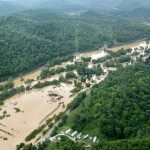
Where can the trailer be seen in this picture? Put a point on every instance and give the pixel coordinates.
(85, 137)
(79, 136)
(68, 131)
(74, 133)
(94, 139)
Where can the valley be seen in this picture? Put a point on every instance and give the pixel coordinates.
(74, 75)
(36, 73)
(27, 111)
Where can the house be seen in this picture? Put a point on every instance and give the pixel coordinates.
(79, 136)
(85, 137)
(74, 133)
(68, 131)
(94, 139)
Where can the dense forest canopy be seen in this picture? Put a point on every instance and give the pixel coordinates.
(32, 38)
(117, 108)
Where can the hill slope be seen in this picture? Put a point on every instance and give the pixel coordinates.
(135, 8)
(10, 7)
(116, 111)
(118, 107)
(41, 35)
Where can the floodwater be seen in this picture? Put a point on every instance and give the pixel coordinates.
(36, 73)
(34, 106)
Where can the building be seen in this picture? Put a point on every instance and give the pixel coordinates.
(85, 137)
(94, 139)
(74, 133)
(68, 131)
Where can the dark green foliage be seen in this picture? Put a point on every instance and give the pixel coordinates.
(83, 70)
(28, 88)
(57, 117)
(70, 67)
(98, 70)
(47, 73)
(86, 59)
(26, 147)
(135, 53)
(57, 71)
(70, 75)
(64, 144)
(134, 144)
(109, 64)
(78, 87)
(116, 110)
(38, 39)
(76, 102)
(129, 50)
(147, 51)
(118, 107)
(7, 86)
(33, 134)
(11, 92)
(46, 83)
(117, 53)
(88, 85)
(123, 59)
(20, 146)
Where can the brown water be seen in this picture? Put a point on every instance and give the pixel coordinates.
(35, 106)
(36, 73)
(126, 46)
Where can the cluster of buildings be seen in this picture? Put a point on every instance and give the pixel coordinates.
(79, 136)
(141, 50)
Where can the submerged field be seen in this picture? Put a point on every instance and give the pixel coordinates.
(32, 107)
(24, 112)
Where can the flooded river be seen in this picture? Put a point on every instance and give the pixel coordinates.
(34, 106)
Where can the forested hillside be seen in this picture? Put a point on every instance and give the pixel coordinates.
(132, 8)
(10, 7)
(117, 108)
(33, 38)
(116, 111)
(128, 8)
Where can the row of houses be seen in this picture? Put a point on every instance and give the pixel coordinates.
(79, 136)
